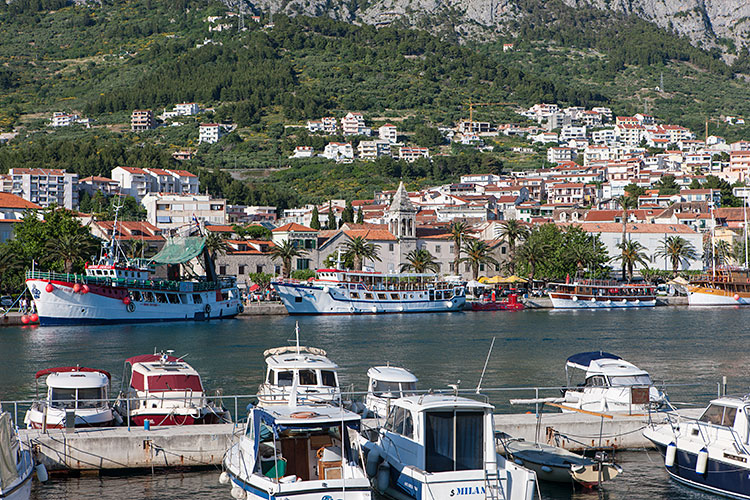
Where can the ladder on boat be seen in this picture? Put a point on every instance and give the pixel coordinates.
(493, 486)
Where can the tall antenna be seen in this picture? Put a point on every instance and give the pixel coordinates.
(296, 333)
(479, 385)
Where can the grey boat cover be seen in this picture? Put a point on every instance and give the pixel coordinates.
(8, 468)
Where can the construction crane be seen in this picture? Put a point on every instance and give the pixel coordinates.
(472, 104)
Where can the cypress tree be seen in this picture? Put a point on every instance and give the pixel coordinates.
(315, 221)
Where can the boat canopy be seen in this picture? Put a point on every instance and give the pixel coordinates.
(66, 369)
(582, 360)
(283, 417)
(391, 374)
(179, 250)
(293, 349)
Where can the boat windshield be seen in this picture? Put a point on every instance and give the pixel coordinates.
(383, 388)
(408, 389)
(91, 397)
(454, 441)
(63, 398)
(327, 378)
(630, 380)
(719, 415)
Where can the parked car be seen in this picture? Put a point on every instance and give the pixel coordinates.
(6, 301)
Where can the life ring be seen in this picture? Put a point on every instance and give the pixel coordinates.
(130, 307)
(303, 414)
(207, 309)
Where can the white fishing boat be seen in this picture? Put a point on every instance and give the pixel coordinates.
(165, 390)
(595, 294)
(334, 291)
(72, 390)
(709, 453)
(16, 463)
(117, 289)
(434, 447)
(385, 384)
(610, 384)
(297, 452)
(315, 376)
(558, 465)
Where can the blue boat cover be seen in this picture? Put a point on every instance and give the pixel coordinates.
(584, 359)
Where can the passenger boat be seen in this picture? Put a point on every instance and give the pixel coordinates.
(727, 286)
(712, 452)
(558, 465)
(512, 304)
(83, 391)
(121, 290)
(385, 384)
(165, 390)
(334, 291)
(595, 294)
(307, 370)
(16, 463)
(297, 452)
(435, 446)
(611, 384)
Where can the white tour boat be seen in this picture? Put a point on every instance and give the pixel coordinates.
(386, 383)
(165, 390)
(334, 291)
(725, 286)
(16, 463)
(121, 290)
(595, 294)
(75, 390)
(710, 453)
(296, 452)
(611, 384)
(434, 447)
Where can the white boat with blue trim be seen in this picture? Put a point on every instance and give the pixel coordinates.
(334, 291)
(16, 463)
(435, 446)
(710, 453)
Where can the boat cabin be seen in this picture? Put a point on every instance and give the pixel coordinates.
(729, 412)
(386, 383)
(307, 370)
(117, 272)
(363, 280)
(162, 381)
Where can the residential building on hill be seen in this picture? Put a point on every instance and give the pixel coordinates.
(177, 211)
(46, 186)
(209, 133)
(142, 120)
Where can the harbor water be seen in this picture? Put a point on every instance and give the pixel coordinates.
(688, 349)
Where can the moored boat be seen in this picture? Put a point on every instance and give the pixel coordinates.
(76, 390)
(595, 294)
(16, 463)
(334, 291)
(165, 390)
(385, 384)
(726, 286)
(709, 453)
(512, 304)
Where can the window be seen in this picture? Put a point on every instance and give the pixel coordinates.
(453, 441)
(135, 295)
(259, 268)
(328, 378)
(382, 296)
(503, 250)
(307, 377)
(91, 397)
(368, 296)
(197, 299)
(63, 398)
(596, 381)
(284, 379)
(222, 269)
(719, 415)
(303, 264)
(437, 248)
(390, 247)
(388, 389)
(241, 269)
(161, 298)
(172, 297)
(630, 380)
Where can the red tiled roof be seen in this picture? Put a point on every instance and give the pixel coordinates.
(371, 234)
(616, 227)
(97, 178)
(293, 226)
(8, 200)
(134, 170)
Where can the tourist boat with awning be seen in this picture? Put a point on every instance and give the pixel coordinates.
(596, 294)
(438, 446)
(725, 286)
(72, 390)
(610, 384)
(297, 452)
(335, 291)
(710, 453)
(16, 463)
(385, 384)
(165, 390)
(117, 289)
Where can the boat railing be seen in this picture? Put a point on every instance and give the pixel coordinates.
(156, 284)
(704, 427)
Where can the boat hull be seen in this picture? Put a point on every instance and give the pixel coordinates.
(105, 305)
(496, 306)
(175, 419)
(309, 299)
(20, 489)
(705, 296)
(56, 418)
(567, 301)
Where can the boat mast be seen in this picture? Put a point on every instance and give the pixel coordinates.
(713, 239)
(296, 333)
(744, 210)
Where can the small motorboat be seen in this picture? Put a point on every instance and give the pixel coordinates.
(512, 304)
(709, 453)
(438, 446)
(386, 383)
(305, 452)
(165, 390)
(558, 465)
(611, 384)
(72, 390)
(16, 463)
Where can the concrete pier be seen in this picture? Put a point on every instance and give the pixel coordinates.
(98, 449)
(264, 309)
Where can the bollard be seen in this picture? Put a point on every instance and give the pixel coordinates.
(147, 425)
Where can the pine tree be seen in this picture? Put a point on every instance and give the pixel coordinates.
(331, 223)
(360, 217)
(315, 221)
(348, 214)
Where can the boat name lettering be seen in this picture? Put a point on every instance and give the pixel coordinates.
(735, 457)
(35, 292)
(468, 490)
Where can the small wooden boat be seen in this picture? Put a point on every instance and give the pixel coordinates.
(557, 464)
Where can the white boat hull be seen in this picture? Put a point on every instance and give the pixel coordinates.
(570, 303)
(63, 306)
(101, 417)
(312, 299)
(20, 489)
(699, 296)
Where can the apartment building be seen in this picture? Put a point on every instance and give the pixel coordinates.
(371, 150)
(46, 187)
(209, 133)
(388, 132)
(354, 124)
(138, 182)
(141, 120)
(176, 211)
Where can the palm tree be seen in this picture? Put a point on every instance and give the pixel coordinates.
(69, 248)
(625, 203)
(477, 252)
(135, 249)
(459, 231)
(677, 249)
(723, 252)
(632, 253)
(420, 261)
(216, 244)
(511, 231)
(360, 249)
(285, 252)
(533, 252)
(582, 253)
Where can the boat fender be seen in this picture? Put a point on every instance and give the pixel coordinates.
(592, 299)
(448, 303)
(241, 308)
(518, 461)
(737, 296)
(130, 307)
(77, 288)
(49, 288)
(670, 455)
(237, 492)
(374, 309)
(383, 478)
(701, 462)
(373, 461)
(327, 289)
(546, 468)
(85, 289)
(575, 299)
(207, 309)
(224, 478)
(609, 302)
(637, 301)
(41, 473)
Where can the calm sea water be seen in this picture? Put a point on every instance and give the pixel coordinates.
(691, 349)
